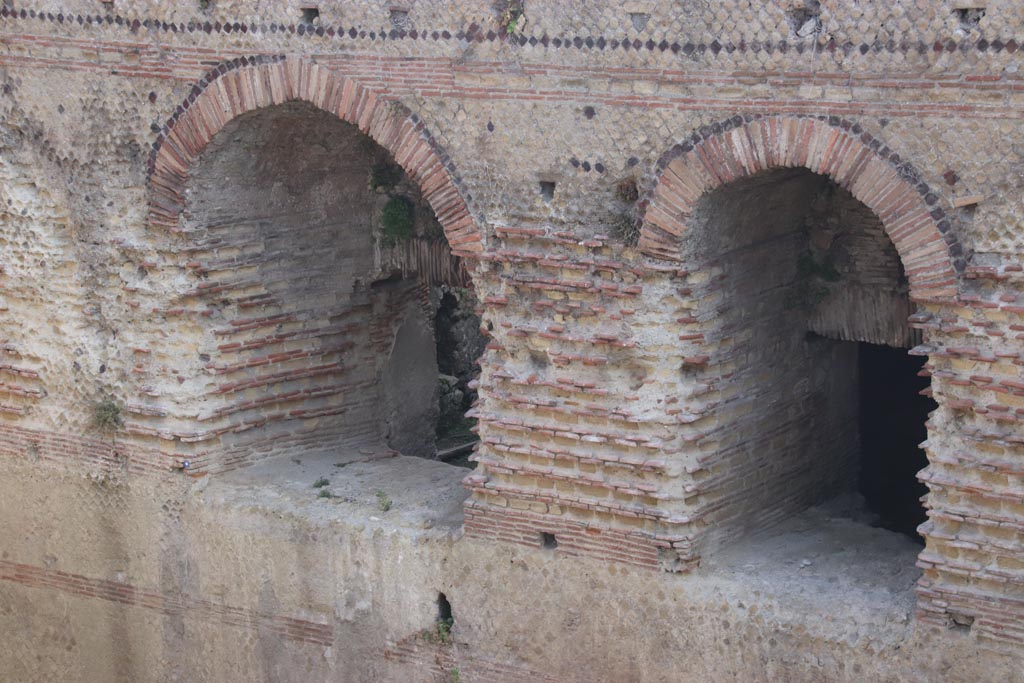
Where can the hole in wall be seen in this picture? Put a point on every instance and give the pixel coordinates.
(444, 610)
(805, 21)
(460, 342)
(969, 17)
(624, 222)
(892, 421)
(511, 16)
(626, 191)
(399, 17)
(310, 15)
(547, 190)
(959, 622)
(548, 541)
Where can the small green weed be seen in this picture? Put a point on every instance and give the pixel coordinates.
(444, 630)
(383, 501)
(107, 415)
(324, 493)
(440, 634)
(456, 675)
(513, 17)
(397, 220)
(321, 482)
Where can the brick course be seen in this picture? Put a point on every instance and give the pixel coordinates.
(602, 402)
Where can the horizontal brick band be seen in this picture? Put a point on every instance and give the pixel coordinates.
(522, 527)
(291, 628)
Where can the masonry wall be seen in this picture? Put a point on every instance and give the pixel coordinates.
(597, 410)
(866, 298)
(785, 406)
(292, 297)
(130, 581)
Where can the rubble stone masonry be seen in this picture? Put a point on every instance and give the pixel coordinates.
(679, 217)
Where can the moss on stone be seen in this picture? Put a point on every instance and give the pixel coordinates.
(396, 220)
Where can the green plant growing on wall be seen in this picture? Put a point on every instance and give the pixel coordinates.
(456, 675)
(107, 415)
(385, 175)
(321, 482)
(324, 493)
(513, 17)
(383, 501)
(396, 220)
(444, 630)
(810, 288)
(440, 634)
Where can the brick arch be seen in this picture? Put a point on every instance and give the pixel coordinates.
(249, 83)
(863, 165)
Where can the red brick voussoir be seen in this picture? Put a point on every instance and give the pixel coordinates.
(860, 163)
(248, 83)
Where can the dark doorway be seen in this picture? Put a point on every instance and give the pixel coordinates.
(460, 343)
(893, 413)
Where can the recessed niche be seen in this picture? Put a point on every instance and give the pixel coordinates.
(399, 17)
(961, 623)
(444, 609)
(805, 21)
(547, 190)
(969, 17)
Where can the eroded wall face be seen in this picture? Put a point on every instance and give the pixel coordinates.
(134, 580)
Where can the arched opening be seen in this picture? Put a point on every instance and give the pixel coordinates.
(804, 303)
(322, 269)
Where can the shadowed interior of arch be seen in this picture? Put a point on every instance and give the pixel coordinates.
(819, 402)
(325, 276)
